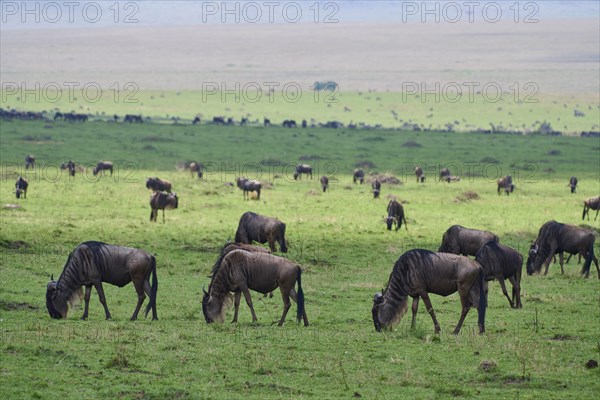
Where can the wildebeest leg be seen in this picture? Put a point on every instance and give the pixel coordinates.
(236, 303)
(560, 260)
(100, 291)
(285, 295)
(258, 194)
(466, 306)
(415, 308)
(516, 292)
(249, 302)
(503, 286)
(427, 302)
(148, 291)
(271, 241)
(86, 297)
(139, 289)
(547, 265)
(163, 215)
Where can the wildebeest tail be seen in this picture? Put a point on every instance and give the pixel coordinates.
(300, 297)
(584, 211)
(153, 288)
(283, 244)
(585, 271)
(482, 301)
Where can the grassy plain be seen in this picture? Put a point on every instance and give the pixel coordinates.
(539, 351)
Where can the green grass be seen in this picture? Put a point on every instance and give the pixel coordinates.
(539, 351)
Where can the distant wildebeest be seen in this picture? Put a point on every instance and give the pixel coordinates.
(289, 123)
(103, 166)
(266, 122)
(593, 203)
(29, 162)
(502, 262)
(243, 121)
(465, 241)
(249, 185)
(196, 121)
(506, 184)
(444, 174)
(58, 115)
(395, 215)
(304, 123)
(21, 187)
(303, 169)
(241, 271)
(70, 166)
(420, 272)
(196, 167)
(358, 175)
(573, 184)
(376, 185)
(554, 237)
(324, 183)
(133, 118)
(420, 174)
(158, 185)
(261, 229)
(219, 120)
(92, 263)
(162, 201)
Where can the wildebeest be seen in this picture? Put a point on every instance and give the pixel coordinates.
(506, 183)
(289, 123)
(261, 229)
(573, 184)
(303, 169)
(92, 263)
(249, 185)
(196, 120)
(358, 175)
(241, 271)
(158, 185)
(324, 183)
(231, 246)
(21, 187)
(554, 237)
(103, 166)
(162, 201)
(420, 174)
(444, 174)
(29, 161)
(70, 166)
(196, 167)
(376, 185)
(395, 215)
(266, 122)
(502, 262)
(593, 203)
(465, 241)
(133, 118)
(420, 272)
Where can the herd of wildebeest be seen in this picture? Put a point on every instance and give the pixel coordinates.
(241, 266)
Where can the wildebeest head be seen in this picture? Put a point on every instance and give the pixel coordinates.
(533, 264)
(378, 300)
(296, 175)
(214, 308)
(56, 308)
(95, 170)
(174, 203)
(205, 302)
(389, 221)
(19, 192)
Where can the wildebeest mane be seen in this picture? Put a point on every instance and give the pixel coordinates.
(548, 232)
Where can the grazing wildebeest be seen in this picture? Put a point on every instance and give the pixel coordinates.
(303, 169)
(573, 184)
(69, 165)
(158, 185)
(376, 185)
(162, 201)
(420, 174)
(219, 120)
(289, 123)
(358, 175)
(420, 272)
(196, 121)
(444, 174)
(58, 115)
(502, 262)
(266, 122)
(304, 123)
(506, 183)
(593, 203)
(29, 162)
(465, 241)
(103, 166)
(92, 263)
(241, 271)
(261, 229)
(21, 187)
(249, 185)
(231, 246)
(197, 168)
(133, 118)
(395, 215)
(324, 183)
(554, 237)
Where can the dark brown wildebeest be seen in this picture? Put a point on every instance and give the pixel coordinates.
(241, 271)
(444, 174)
(506, 183)
(554, 238)
(502, 262)
(358, 175)
(573, 184)
(395, 215)
(420, 174)
(376, 185)
(21, 187)
(103, 166)
(158, 185)
(420, 272)
(261, 229)
(303, 169)
(324, 183)
(133, 118)
(29, 162)
(162, 201)
(249, 185)
(70, 166)
(92, 263)
(593, 203)
(197, 168)
(465, 241)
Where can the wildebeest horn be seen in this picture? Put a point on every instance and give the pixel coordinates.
(52, 277)
(378, 299)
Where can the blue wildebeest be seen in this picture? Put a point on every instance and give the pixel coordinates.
(573, 184)
(70, 166)
(358, 175)
(502, 262)
(196, 167)
(133, 118)
(21, 187)
(324, 183)
(261, 229)
(162, 201)
(29, 161)
(554, 237)
(506, 184)
(593, 203)
(303, 169)
(158, 185)
(376, 185)
(445, 174)
(241, 271)
(103, 166)
(395, 215)
(420, 272)
(467, 242)
(420, 174)
(92, 263)
(249, 185)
